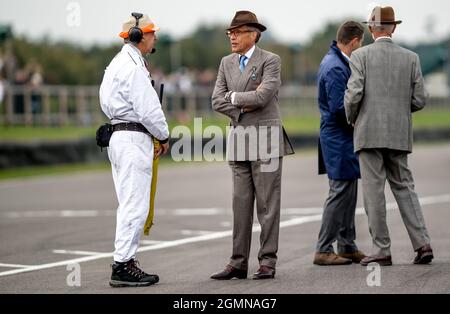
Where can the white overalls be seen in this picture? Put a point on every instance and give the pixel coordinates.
(127, 95)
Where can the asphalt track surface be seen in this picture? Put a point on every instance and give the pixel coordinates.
(48, 224)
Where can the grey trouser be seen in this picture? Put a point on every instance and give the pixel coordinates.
(249, 182)
(338, 219)
(377, 165)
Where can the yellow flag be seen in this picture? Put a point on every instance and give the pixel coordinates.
(151, 212)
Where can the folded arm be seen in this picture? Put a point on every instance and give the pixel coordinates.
(220, 103)
(270, 84)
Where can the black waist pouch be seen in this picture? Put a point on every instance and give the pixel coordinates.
(103, 135)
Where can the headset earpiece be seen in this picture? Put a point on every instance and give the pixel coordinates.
(135, 33)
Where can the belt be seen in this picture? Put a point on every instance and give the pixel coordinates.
(130, 126)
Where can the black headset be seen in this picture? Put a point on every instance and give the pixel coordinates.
(135, 33)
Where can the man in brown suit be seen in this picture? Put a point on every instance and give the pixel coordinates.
(385, 87)
(247, 92)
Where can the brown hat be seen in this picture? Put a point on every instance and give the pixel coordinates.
(246, 18)
(382, 16)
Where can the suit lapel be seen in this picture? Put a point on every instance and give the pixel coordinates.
(250, 68)
(233, 70)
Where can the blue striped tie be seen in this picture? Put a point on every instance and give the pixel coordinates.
(242, 62)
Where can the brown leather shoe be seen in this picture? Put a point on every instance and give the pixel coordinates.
(424, 255)
(330, 259)
(356, 257)
(229, 273)
(264, 272)
(380, 260)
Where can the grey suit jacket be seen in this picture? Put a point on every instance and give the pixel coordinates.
(263, 126)
(385, 87)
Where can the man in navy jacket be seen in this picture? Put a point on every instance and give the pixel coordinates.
(336, 156)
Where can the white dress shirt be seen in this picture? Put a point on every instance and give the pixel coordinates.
(127, 95)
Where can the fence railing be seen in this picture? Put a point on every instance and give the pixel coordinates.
(51, 105)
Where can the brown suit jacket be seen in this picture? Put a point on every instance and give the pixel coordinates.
(258, 134)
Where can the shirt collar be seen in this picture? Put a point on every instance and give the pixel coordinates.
(249, 53)
(345, 56)
(383, 37)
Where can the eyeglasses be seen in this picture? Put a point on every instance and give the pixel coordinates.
(237, 33)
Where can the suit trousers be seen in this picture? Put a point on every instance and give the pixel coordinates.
(377, 165)
(338, 219)
(251, 182)
(131, 156)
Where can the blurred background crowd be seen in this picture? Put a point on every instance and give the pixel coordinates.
(49, 81)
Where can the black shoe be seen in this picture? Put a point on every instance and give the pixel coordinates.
(424, 255)
(264, 272)
(229, 273)
(128, 274)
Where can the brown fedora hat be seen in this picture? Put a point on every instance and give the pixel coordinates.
(382, 15)
(246, 18)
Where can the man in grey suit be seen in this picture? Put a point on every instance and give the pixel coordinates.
(247, 92)
(385, 87)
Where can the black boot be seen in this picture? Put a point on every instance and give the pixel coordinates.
(128, 274)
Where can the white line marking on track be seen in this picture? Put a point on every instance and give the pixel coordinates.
(14, 265)
(302, 211)
(195, 232)
(207, 237)
(198, 211)
(67, 213)
(225, 224)
(80, 213)
(151, 242)
(70, 252)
